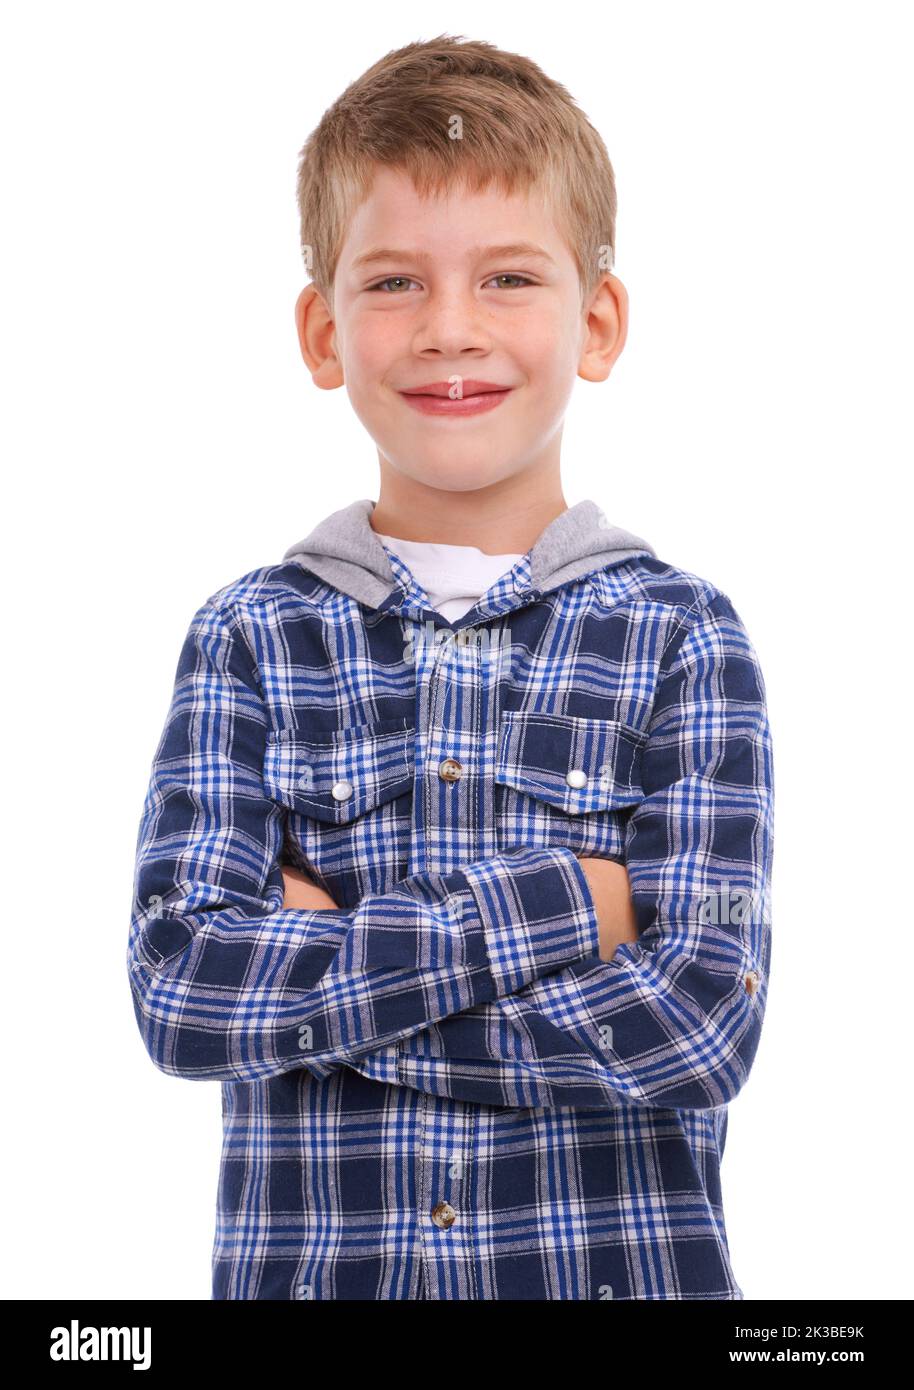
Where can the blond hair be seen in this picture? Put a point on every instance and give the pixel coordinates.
(517, 127)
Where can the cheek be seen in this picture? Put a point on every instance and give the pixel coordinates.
(371, 344)
(551, 381)
(548, 350)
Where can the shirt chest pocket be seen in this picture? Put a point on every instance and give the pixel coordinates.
(566, 780)
(349, 796)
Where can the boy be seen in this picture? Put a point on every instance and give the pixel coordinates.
(455, 861)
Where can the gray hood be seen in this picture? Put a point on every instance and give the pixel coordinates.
(345, 552)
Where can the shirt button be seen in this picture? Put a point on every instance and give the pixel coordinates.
(444, 1215)
(340, 791)
(752, 981)
(449, 770)
(576, 778)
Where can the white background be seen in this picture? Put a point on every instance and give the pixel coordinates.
(163, 437)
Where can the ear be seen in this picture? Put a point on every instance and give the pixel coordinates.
(606, 319)
(317, 339)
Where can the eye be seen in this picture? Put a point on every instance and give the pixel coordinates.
(510, 275)
(522, 280)
(402, 278)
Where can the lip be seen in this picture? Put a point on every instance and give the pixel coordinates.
(434, 398)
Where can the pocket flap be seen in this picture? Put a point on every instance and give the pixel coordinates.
(335, 777)
(579, 765)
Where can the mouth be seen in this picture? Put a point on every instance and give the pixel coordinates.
(435, 399)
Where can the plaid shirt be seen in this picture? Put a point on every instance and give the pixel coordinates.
(439, 1090)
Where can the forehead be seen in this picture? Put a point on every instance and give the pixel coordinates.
(395, 215)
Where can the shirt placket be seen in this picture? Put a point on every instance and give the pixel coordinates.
(459, 670)
(449, 726)
(453, 824)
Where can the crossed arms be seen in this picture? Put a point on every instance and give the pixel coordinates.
(521, 979)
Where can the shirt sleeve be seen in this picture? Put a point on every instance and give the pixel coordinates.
(229, 986)
(673, 1020)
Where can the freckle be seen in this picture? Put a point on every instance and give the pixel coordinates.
(751, 981)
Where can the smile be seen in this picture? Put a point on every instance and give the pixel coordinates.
(476, 404)
(477, 398)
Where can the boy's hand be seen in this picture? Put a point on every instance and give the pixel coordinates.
(616, 922)
(300, 892)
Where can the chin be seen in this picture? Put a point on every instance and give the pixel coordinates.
(454, 475)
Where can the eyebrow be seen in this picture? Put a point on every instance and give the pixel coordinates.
(514, 248)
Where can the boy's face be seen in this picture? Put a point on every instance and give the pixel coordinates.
(437, 305)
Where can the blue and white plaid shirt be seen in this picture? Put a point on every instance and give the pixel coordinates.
(439, 1090)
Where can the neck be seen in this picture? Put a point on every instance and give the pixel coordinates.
(505, 517)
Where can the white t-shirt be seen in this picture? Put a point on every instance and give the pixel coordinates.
(453, 576)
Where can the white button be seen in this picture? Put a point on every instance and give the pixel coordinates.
(341, 790)
(576, 778)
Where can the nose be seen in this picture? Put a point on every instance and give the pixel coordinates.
(451, 323)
